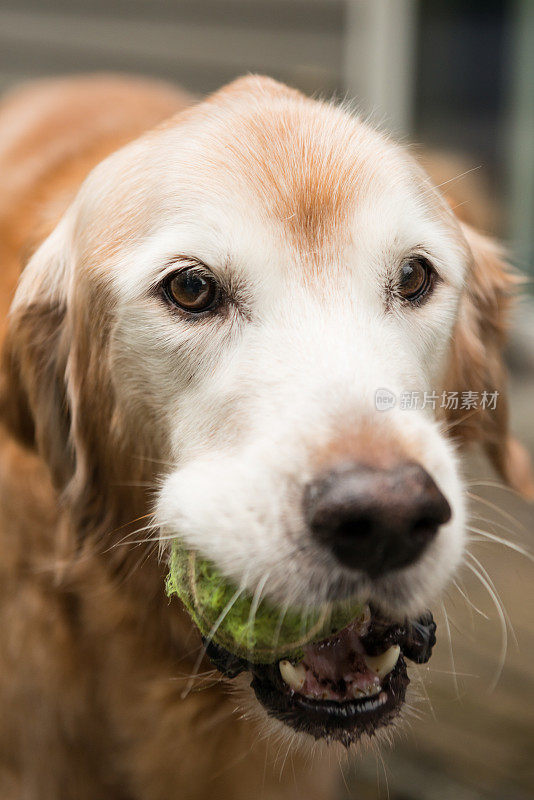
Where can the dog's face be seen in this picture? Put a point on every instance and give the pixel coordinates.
(239, 284)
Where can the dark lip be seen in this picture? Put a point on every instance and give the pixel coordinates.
(346, 721)
(331, 721)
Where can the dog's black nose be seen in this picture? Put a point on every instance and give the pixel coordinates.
(375, 520)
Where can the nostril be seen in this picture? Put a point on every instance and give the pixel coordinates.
(349, 530)
(418, 537)
(430, 508)
(424, 526)
(363, 527)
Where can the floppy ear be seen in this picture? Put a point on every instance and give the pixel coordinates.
(33, 397)
(56, 392)
(476, 361)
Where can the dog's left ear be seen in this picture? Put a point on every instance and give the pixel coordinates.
(476, 362)
(33, 396)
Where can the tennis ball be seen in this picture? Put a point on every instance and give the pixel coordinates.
(228, 618)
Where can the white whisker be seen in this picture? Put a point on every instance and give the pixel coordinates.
(469, 601)
(494, 485)
(478, 518)
(502, 617)
(210, 636)
(451, 651)
(500, 540)
(491, 583)
(496, 508)
(256, 600)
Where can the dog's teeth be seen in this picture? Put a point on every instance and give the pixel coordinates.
(293, 675)
(368, 691)
(383, 663)
(365, 617)
(373, 690)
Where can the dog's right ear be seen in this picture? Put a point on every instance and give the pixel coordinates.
(477, 363)
(33, 396)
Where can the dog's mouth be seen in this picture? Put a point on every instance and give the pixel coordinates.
(349, 684)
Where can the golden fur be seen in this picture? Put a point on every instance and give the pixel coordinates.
(93, 657)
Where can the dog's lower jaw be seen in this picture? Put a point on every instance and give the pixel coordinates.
(328, 752)
(332, 721)
(347, 686)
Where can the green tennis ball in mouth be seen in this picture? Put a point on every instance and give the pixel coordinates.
(262, 634)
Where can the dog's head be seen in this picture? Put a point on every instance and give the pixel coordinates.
(267, 305)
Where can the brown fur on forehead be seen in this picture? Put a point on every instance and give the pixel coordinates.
(302, 164)
(309, 162)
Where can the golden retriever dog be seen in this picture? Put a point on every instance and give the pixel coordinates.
(218, 320)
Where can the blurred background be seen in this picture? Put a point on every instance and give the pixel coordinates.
(456, 80)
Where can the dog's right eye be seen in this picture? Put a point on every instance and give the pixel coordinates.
(416, 280)
(192, 289)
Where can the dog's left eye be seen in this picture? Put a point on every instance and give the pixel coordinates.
(192, 289)
(416, 279)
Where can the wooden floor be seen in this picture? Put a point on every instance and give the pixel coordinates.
(473, 740)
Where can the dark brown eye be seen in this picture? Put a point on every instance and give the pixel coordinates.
(193, 289)
(416, 279)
